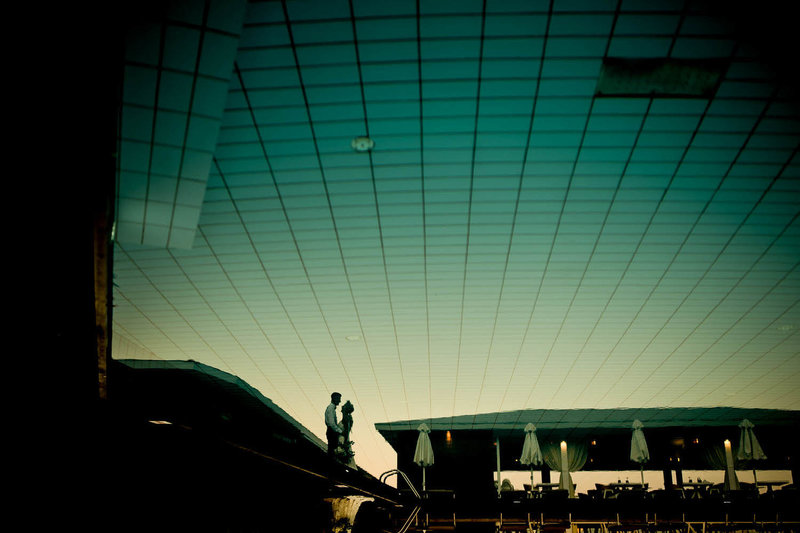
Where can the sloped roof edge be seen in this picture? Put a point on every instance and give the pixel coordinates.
(234, 381)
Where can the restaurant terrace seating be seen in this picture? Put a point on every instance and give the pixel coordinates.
(656, 511)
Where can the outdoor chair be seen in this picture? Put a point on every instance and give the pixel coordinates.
(668, 505)
(554, 524)
(590, 505)
(699, 509)
(787, 505)
(767, 507)
(740, 505)
(514, 505)
(514, 511)
(553, 509)
(634, 506)
(438, 509)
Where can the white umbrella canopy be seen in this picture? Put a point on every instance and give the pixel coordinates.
(531, 451)
(639, 452)
(749, 448)
(423, 455)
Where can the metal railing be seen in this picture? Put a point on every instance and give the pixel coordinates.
(415, 511)
(386, 475)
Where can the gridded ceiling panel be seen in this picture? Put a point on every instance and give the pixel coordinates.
(513, 241)
(177, 66)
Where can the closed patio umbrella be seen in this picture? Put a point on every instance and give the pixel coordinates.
(497, 450)
(531, 452)
(731, 481)
(423, 455)
(749, 448)
(639, 452)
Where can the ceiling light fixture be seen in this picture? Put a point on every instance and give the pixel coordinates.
(362, 144)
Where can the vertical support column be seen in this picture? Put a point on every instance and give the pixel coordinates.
(75, 174)
(103, 216)
(77, 224)
(667, 478)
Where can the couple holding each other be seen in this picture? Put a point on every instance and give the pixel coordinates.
(338, 434)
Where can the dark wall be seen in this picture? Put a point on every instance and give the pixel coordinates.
(168, 478)
(465, 463)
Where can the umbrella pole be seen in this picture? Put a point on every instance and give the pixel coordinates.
(755, 479)
(641, 469)
(498, 467)
(423, 479)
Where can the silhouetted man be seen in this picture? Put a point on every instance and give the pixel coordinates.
(333, 429)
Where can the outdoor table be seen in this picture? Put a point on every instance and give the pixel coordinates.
(698, 488)
(626, 485)
(698, 484)
(770, 484)
(536, 490)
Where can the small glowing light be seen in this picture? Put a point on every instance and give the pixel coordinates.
(160, 422)
(563, 445)
(696, 440)
(447, 436)
(362, 144)
(594, 443)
